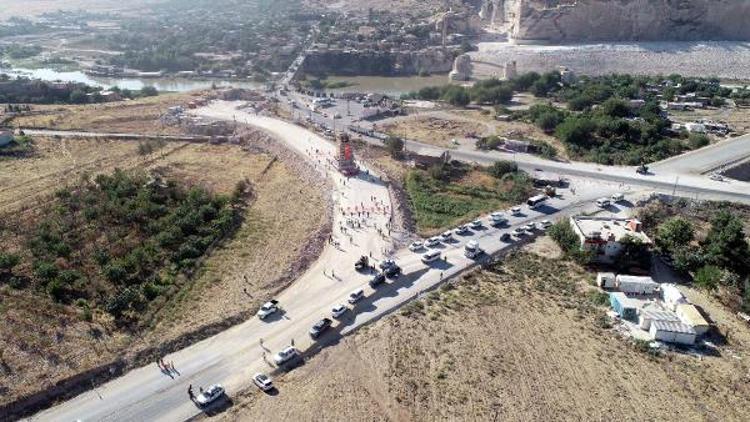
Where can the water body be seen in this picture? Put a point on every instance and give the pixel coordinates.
(388, 85)
(162, 84)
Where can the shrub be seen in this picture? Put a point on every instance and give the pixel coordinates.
(8, 261)
(698, 140)
(502, 167)
(708, 277)
(548, 121)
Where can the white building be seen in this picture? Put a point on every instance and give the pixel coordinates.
(672, 332)
(648, 316)
(636, 284)
(605, 280)
(671, 296)
(690, 316)
(603, 234)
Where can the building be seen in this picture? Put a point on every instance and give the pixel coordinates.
(602, 235)
(690, 315)
(647, 316)
(605, 280)
(6, 136)
(672, 296)
(625, 307)
(636, 284)
(672, 332)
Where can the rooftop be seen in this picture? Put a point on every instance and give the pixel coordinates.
(608, 228)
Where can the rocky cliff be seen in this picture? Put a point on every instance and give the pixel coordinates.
(561, 21)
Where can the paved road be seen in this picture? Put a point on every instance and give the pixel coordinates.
(708, 159)
(232, 356)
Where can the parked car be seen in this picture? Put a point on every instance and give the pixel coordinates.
(463, 229)
(529, 228)
(339, 310)
(430, 256)
(209, 395)
(386, 263)
(544, 224)
(717, 177)
(472, 249)
(498, 218)
(432, 242)
(618, 197)
(447, 236)
(267, 309)
(393, 271)
(603, 202)
(476, 224)
(377, 280)
(285, 355)
(505, 237)
(363, 263)
(518, 232)
(355, 296)
(515, 211)
(320, 327)
(263, 381)
(416, 246)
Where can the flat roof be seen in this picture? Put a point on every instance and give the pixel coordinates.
(673, 327)
(691, 315)
(608, 226)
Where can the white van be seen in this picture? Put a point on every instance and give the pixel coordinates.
(355, 296)
(603, 202)
(618, 197)
(472, 249)
(430, 256)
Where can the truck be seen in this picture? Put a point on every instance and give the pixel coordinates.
(472, 249)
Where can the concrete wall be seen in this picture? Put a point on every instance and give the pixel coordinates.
(561, 21)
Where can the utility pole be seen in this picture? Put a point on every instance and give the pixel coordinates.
(676, 180)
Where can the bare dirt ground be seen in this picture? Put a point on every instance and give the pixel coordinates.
(137, 116)
(44, 342)
(737, 118)
(521, 342)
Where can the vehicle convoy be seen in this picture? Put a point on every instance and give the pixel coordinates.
(356, 296)
(362, 264)
(463, 229)
(339, 310)
(263, 381)
(476, 224)
(285, 355)
(209, 395)
(498, 219)
(472, 249)
(515, 211)
(392, 271)
(432, 242)
(431, 256)
(320, 327)
(416, 246)
(268, 308)
(447, 236)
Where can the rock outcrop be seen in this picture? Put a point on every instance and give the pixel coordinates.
(567, 21)
(461, 68)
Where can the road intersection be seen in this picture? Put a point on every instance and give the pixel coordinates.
(232, 356)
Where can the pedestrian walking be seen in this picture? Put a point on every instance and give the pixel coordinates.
(441, 275)
(292, 342)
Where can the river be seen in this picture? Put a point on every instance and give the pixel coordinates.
(164, 84)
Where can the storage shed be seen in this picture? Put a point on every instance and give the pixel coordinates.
(672, 296)
(624, 306)
(636, 284)
(648, 316)
(672, 332)
(690, 315)
(605, 280)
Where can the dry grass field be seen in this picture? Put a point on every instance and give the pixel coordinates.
(30, 8)
(43, 342)
(523, 341)
(136, 116)
(737, 118)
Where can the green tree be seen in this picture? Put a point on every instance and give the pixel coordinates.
(708, 277)
(149, 91)
(634, 252)
(674, 233)
(8, 261)
(457, 96)
(698, 140)
(576, 131)
(503, 167)
(548, 121)
(78, 97)
(726, 245)
(395, 146)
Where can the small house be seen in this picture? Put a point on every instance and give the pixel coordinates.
(648, 316)
(672, 296)
(690, 315)
(672, 332)
(623, 306)
(641, 285)
(605, 280)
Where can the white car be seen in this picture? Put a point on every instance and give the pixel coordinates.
(717, 177)
(498, 218)
(268, 308)
(355, 296)
(430, 256)
(447, 236)
(339, 310)
(209, 395)
(285, 355)
(516, 211)
(432, 242)
(476, 224)
(544, 224)
(530, 228)
(462, 229)
(518, 232)
(603, 202)
(416, 246)
(263, 381)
